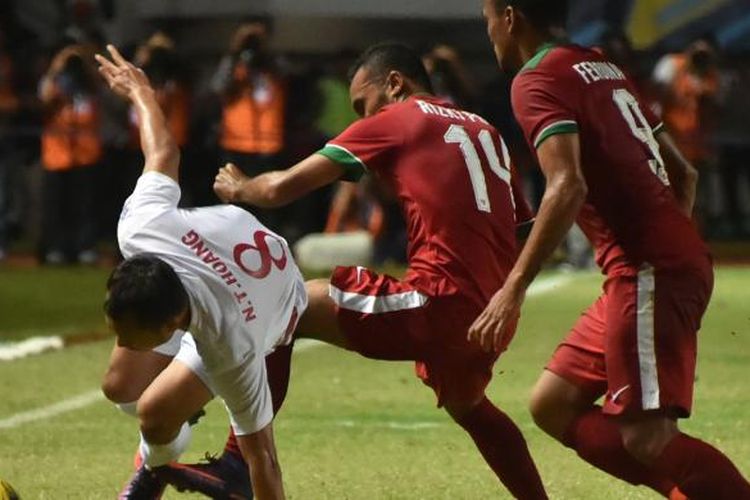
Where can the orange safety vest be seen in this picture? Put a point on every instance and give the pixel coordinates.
(254, 121)
(682, 113)
(71, 136)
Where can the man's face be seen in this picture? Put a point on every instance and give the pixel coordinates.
(497, 15)
(368, 95)
(138, 338)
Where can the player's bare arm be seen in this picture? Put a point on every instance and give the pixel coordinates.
(159, 147)
(265, 472)
(560, 160)
(277, 188)
(683, 177)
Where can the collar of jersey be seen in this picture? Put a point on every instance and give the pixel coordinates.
(541, 52)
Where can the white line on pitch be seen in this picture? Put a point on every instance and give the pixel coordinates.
(28, 347)
(548, 284)
(538, 288)
(89, 398)
(64, 406)
(406, 426)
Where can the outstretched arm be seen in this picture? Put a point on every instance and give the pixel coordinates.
(560, 160)
(278, 188)
(159, 147)
(259, 452)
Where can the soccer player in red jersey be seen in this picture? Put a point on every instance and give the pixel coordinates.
(451, 172)
(610, 165)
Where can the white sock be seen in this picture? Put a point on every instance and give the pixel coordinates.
(155, 455)
(128, 408)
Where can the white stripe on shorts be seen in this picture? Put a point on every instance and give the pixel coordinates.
(645, 332)
(376, 304)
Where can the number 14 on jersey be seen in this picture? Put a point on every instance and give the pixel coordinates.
(457, 134)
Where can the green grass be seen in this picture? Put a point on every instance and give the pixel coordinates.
(344, 431)
(50, 301)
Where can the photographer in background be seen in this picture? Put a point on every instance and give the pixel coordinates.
(253, 104)
(688, 86)
(71, 149)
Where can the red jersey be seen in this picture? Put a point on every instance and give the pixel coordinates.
(451, 172)
(630, 215)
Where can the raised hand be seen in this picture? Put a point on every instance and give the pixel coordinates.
(123, 77)
(228, 183)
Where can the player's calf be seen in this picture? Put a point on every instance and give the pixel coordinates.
(646, 436)
(502, 445)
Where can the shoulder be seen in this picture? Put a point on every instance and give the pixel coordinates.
(153, 201)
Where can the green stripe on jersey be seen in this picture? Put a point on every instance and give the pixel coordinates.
(540, 54)
(659, 128)
(354, 168)
(562, 127)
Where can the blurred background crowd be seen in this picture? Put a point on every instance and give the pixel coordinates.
(265, 90)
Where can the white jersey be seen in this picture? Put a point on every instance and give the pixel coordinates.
(245, 289)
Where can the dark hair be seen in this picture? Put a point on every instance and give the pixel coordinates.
(390, 56)
(146, 291)
(542, 14)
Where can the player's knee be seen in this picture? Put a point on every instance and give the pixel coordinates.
(545, 410)
(155, 427)
(646, 443)
(116, 388)
(460, 409)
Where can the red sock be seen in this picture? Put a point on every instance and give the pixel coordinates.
(597, 439)
(503, 447)
(701, 471)
(232, 446)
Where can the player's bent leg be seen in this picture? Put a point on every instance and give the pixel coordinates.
(319, 320)
(556, 403)
(501, 444)
(173, 397)
(566, 411)
(163, 410)
(697, 468)
(130, 372)
(646, 436)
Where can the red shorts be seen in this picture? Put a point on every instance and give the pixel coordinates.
(385, 318)
(637, 342)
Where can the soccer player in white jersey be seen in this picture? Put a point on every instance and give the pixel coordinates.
(214, 271)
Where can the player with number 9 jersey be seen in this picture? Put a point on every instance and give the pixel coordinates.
(645, 243)
(631, 215)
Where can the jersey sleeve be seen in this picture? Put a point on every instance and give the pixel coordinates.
(246, 394)
(365, 145)
(541, 107)
(154, 191)
(155, 195)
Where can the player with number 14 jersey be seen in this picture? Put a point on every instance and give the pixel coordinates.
(460, 214)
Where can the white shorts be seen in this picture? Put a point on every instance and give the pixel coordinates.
(181, 347)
